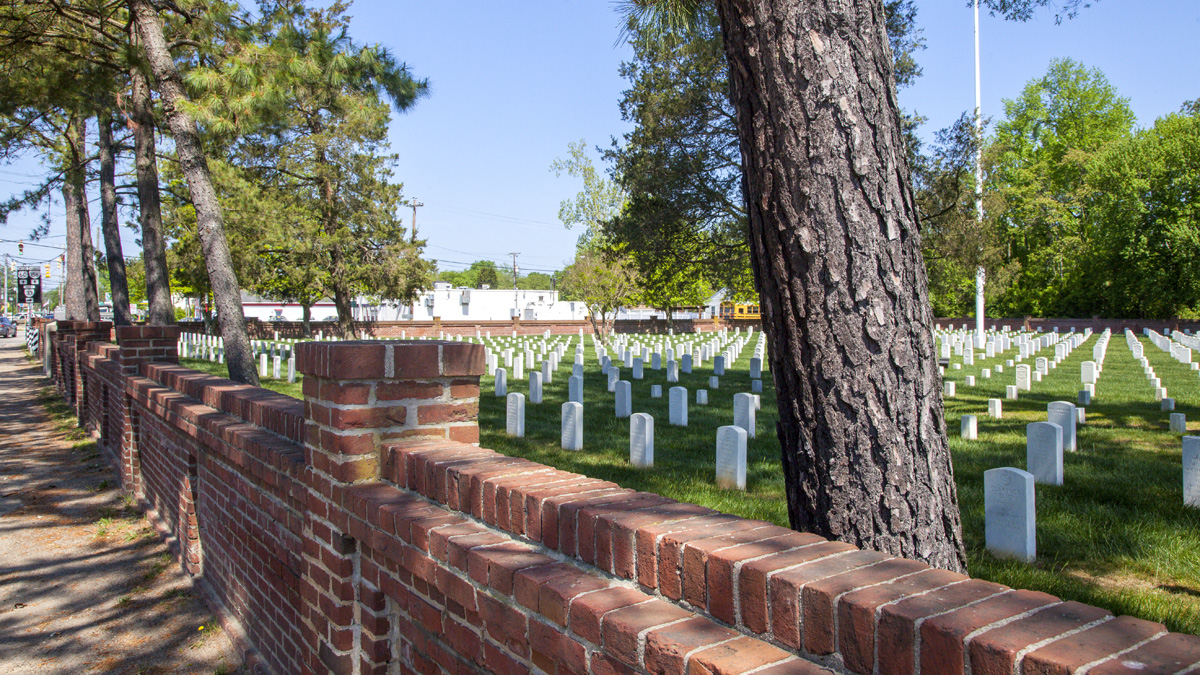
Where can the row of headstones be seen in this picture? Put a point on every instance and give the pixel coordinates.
(731, 448)
(1010, 514)
(677, 404)
(1160, 392)
(1179, 346)
(1026, 375)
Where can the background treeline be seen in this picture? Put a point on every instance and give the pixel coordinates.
(1084, 213)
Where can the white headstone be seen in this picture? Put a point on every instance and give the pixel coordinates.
(714, 382)
(575, 389)
(515, 415)
(1044, 452)
(755, 368)
(970, 381)
(701, 397)
(577, 370)
(756, 386)
(572, 426)
(719, 365)
(641, 439)
(1010, 392)
(1179, 423)
(501, 382)
(535, 386)
(672, 371)
(1009, 513)
(948, 389)
(1087, 373)
(262, 364)
(731, 457)
(638, 368)
(623, 402)
(1024, 378)
(614, 374)
(1063, 414)
(656, 391)
(969, 427)
(686, 364)
(743, 413)
(1167, 404)
(678, 405)
(291, 373)
(1085, 398)
(995, 408)
(1191, 471)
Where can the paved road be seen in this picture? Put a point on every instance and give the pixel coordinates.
(85, 585)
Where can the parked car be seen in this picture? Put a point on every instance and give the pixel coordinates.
(7, 327)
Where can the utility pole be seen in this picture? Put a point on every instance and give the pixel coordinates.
(5, 312)
(516, 300)
(979, 272)
(414, 204)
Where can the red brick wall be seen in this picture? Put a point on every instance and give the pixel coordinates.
(362, 532)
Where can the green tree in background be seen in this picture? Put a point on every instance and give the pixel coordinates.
(1041, 154)
(306, 109)
(1143, 205)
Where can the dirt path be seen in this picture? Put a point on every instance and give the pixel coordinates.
(85, 584)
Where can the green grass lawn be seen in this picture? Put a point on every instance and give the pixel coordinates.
(1116, 534)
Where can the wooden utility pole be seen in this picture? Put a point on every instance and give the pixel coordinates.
(414, 204)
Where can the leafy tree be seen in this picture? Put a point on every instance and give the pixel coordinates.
(1144, 204)
(1042, 150)
(953, 243)
(319, 143)
(602, 283)
(210, 222)
(598, 201)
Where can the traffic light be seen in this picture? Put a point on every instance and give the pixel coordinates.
(21, 248)
(47, 266)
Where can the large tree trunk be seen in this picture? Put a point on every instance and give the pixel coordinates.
(836, 255)
(154, 250)
(210, 225)
(110, 222)
(82, 302)
(344, 301)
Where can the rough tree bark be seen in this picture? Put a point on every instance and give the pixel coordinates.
(836, 256)
(209, 221)
(110, 223)
(82, 303)
(140, 120)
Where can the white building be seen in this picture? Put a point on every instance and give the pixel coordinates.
(486, 304)
(444, 301)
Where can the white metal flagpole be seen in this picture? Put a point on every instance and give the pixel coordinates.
(979, 273)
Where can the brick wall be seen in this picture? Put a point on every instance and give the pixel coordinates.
(363, 531)
(1063, 325)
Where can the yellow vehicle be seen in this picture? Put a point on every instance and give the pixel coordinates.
(731, 310)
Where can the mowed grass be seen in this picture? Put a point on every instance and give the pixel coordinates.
(1116, 534)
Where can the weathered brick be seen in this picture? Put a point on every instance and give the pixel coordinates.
(1173, 653)
(788, 585)
(1066, 656)
(667, 647)
(942, 636)
(754, 575)
(994, 652)
(588, 611)
(621, 627)
(738, 656)
(820, 598)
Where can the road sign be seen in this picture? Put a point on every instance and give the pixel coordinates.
(29, 285)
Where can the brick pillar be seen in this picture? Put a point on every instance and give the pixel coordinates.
(145, 344)
(357, 396)
(74, 337)
(138, 345)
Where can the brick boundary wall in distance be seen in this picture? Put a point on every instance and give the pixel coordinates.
(362, 531)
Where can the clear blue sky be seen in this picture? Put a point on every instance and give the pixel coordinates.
(514, 83)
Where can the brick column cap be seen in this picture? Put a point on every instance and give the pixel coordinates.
(148, 332)
(389, 359)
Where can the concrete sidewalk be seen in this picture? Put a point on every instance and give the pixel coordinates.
(86, 586)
